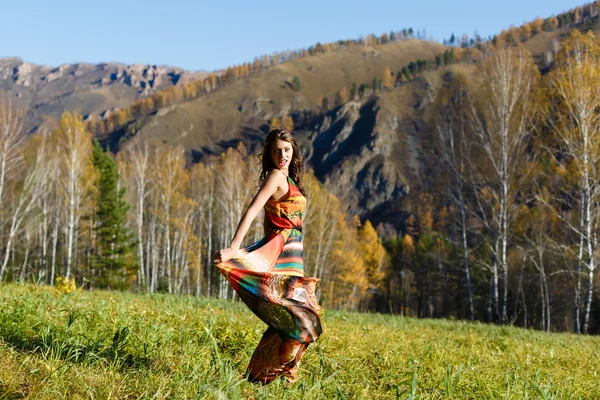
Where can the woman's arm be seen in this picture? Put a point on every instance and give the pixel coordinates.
(271, 185)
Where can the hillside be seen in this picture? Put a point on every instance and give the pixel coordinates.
(90, 89)
(356, 139)
(368, 151)
(544, 44)
(114, 345)
(242, 107)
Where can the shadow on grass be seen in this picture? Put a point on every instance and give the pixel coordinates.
(53, 343)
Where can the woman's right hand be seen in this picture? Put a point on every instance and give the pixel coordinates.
(224, 255)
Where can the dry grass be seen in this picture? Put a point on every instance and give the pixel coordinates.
(212, 121)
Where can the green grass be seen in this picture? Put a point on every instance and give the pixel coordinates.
(110, 345)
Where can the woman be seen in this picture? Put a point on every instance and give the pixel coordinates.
(269, 275)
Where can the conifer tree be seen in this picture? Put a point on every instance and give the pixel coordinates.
(353, 91)
(376, 84)
(296, 83)
(114, 240)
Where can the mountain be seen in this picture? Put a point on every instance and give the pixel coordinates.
(367, 150)
(208, 123)
(91, 89)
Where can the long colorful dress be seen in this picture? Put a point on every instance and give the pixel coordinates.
(269, 277)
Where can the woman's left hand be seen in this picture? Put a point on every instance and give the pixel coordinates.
(224, 255)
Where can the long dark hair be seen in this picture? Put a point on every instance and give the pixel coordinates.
(267, 164)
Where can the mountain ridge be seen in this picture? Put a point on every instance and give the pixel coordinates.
(365, 148)
(90, 89)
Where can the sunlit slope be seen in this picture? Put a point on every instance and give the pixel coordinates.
(210, 122)
(89, 89)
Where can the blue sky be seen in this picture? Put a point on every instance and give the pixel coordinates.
(200, 35)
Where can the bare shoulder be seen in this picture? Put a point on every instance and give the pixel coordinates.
(276, 175)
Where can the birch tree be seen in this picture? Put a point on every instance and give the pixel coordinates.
(77, 177)
(24, 199)
(453, 149)
(170, 180)
(319, 227)
(575, 100)
(500, 123)
(47, 204)
(539, 243)
(136, 173)
(234, 190)
(12, 137)
(201, 187)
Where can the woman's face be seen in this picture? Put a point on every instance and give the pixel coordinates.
(281, 154)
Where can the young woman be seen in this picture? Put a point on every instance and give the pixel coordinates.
(269, 274)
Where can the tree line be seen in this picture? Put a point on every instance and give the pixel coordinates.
(147, 220)
(508, 232)
(120, 118)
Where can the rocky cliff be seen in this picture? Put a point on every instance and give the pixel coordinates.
(87, 88)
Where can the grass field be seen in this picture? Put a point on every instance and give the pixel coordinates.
(110, 345)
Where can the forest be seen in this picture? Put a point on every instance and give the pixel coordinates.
(506, 232)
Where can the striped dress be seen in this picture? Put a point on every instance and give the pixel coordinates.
(269, 277)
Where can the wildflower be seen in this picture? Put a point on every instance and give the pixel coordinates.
(64, 285)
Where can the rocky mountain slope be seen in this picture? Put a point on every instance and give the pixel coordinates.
(91, 89)
(367, 150)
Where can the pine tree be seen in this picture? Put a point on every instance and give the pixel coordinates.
(449, 57)
(114, 240)
(296, 83)
(353, 91)
(406, 72)
(376, 84)
(361, 90)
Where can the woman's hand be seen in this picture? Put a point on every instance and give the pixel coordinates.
(224, 255)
